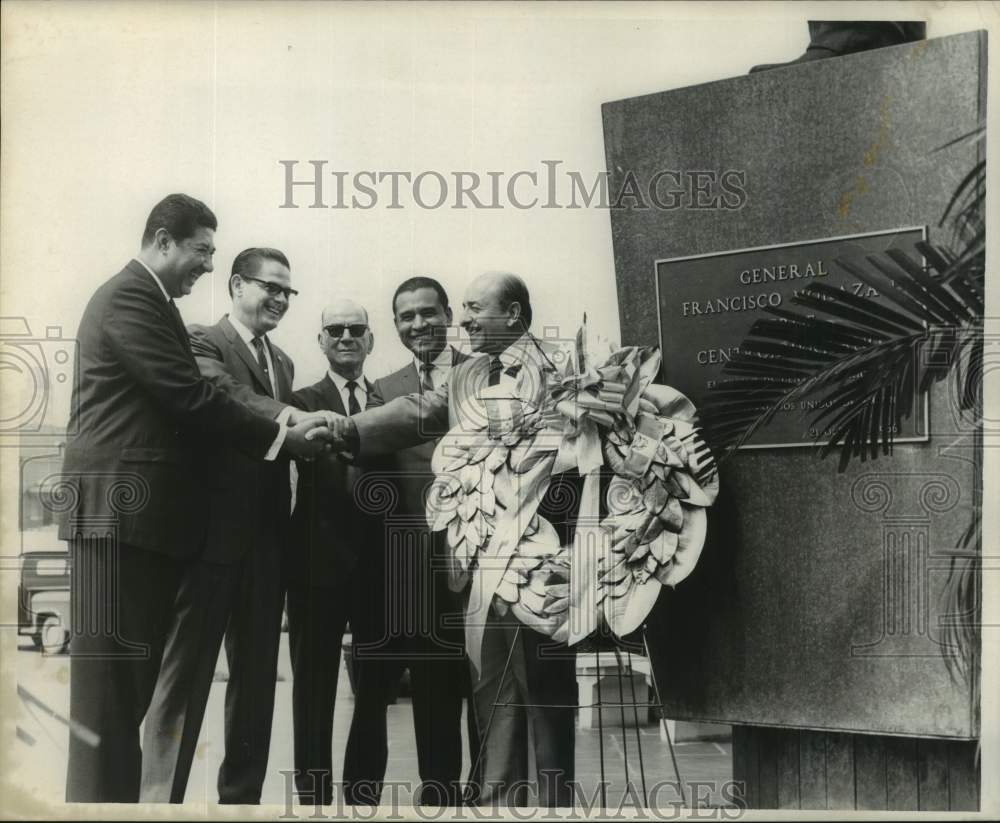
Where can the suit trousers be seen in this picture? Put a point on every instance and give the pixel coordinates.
(522, 671)
(317, 618)
(122, 598)
(439, 682)
(242, 601)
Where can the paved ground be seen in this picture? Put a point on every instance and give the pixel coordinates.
(42, 743)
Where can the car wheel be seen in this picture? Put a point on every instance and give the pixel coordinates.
(53, 635)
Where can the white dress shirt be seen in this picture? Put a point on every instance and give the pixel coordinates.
(360, 393)
(440, 367)
(282, 418)
(156, 279)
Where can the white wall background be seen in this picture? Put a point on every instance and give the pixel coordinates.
(106, 107)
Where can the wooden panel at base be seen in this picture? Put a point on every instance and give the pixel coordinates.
(788, 770)
(840, 771)
(963, 778)
(901, 773)
(812, 766)
(870, 772)
(932, 775)
(803, 769)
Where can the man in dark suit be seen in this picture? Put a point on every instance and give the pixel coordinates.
(424, 632)
(135, 506)
(236, 588)
(529, 678)
(334, 577)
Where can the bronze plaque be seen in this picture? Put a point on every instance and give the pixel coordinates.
(707, 304)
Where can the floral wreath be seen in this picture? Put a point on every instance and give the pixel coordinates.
(490, 481)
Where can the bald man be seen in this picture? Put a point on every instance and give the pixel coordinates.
(334, 576)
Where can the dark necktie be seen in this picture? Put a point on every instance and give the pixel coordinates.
(496, 369)
(426, 384)
(353, 406)
(258, 344)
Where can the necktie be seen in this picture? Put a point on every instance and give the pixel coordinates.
(258, 344)
(426, 384)
(353, 406)
(496, 369)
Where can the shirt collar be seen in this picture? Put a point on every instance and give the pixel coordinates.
(522, 351)
(341, 382)
(245, 334)
(155, 277)
(444, 360)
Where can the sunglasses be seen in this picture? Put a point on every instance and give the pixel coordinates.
(273, 289)
(336, 330)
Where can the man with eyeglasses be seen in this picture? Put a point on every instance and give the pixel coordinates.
(135, 468)
(334, 576)
(236, 588)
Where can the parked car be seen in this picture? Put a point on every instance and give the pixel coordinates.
(43, 610)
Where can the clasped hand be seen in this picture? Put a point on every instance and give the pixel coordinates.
(312, 433)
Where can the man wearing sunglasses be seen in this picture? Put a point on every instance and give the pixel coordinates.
(334, 576)
(236, 588)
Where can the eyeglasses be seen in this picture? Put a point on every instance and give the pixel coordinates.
(336, 330)
(273, 289)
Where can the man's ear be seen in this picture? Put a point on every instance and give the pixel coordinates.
(162, 240)
(448, 314)
(371, 341)
(513, 314)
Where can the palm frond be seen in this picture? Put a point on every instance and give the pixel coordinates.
(861, 362)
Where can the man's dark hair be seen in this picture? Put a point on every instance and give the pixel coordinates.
(415, 283)
(181, 215)
(248, 262)
(514, 290)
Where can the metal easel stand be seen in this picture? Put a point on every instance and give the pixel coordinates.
(617, 648)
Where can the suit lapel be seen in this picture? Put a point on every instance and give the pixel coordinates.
(243, 352)
(409, 381)
(334, 401)
(169, 308)
(178, 322)
(282, 374)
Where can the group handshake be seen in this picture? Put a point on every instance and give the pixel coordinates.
(311, 434)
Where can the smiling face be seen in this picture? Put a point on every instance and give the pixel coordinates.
(422, 322)
(182, 263)
(258, 310)
(345, 353)
(490, 327)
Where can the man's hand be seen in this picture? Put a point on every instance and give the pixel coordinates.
(308, 438)
(344, 434)
(297, 416)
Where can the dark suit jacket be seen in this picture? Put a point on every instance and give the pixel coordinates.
(142, 414)
(329, 531)
(411, 467)
(409, 470)
(249, 499)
